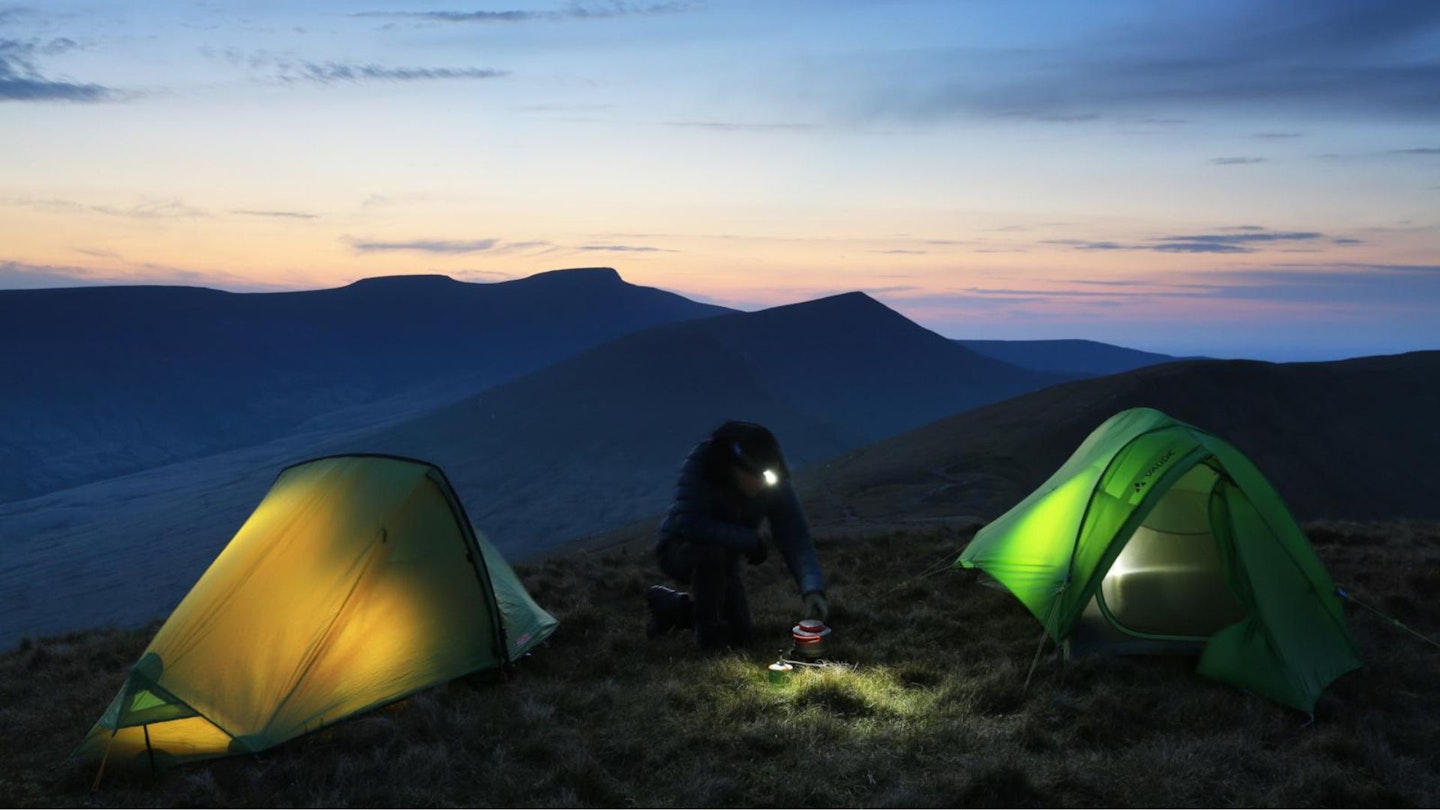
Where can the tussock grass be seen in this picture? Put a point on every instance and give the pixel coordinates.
(928, 709)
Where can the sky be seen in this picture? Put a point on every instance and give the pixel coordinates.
(1235, 179)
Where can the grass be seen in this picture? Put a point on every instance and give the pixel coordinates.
(929, 710)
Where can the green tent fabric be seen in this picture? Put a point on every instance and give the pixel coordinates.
(1158, 536)
(357, 581)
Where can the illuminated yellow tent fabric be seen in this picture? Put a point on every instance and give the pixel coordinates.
(357, 581)
(1157, 536)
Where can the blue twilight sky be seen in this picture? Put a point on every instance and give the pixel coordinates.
(1256, 179)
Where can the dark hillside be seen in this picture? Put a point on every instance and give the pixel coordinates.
(595, 441)
(866, 366)
(1082, 357)
(1347, 439)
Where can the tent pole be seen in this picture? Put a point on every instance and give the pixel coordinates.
(100, 772)
(150, 752)
(1044, 634)
(1342, 592)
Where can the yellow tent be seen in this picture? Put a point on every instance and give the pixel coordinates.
(357, 581)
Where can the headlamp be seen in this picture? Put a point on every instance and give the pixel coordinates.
(768, 474)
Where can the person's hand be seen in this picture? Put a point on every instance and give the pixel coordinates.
(815, 606)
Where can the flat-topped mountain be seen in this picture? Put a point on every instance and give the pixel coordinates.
(102, 381)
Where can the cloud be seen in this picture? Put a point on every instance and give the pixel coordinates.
(1236, 239)
(332, 72)
(1313, 290)
(1327, 59)
(574, 12)
(1134, 289)
(1236, 161)
(150, 209)
(1247, 234)
(1047, 116)
(626, 249)
(975, 300)
(20, 276)
(896, 290)
(448, 246)
(1416, 151)
(1341, 286)
(562, 108)
(901, 252)
(907, 244)
(1003, 299)
(727, 126)
(21, 79)
(290, 69)
(511, 247)
(1199, 247)
(276, 214)
(1081, 244)
(1228, 242)
(426, 246)
(489, 276)
(1095, 282)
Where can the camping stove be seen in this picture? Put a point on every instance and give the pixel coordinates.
(809, 640)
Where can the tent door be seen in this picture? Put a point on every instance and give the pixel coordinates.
(1166, 591)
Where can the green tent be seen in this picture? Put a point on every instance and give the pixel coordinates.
(1156, 536)
(357, 581)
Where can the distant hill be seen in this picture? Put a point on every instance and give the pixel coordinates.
(1349, 439)
(596, 440)
(584, 444)
(1080, 357)
(102, 381)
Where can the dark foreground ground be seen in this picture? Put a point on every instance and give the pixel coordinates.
(929, 709)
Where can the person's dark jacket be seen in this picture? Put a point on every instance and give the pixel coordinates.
(706, 512)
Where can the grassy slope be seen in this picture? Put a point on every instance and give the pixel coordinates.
(931, 713)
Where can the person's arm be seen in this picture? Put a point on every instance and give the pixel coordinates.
(792, 537)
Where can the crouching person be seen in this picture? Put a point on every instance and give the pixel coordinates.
(729, 484)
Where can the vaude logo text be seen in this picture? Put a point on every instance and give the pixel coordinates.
(1154, 468)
